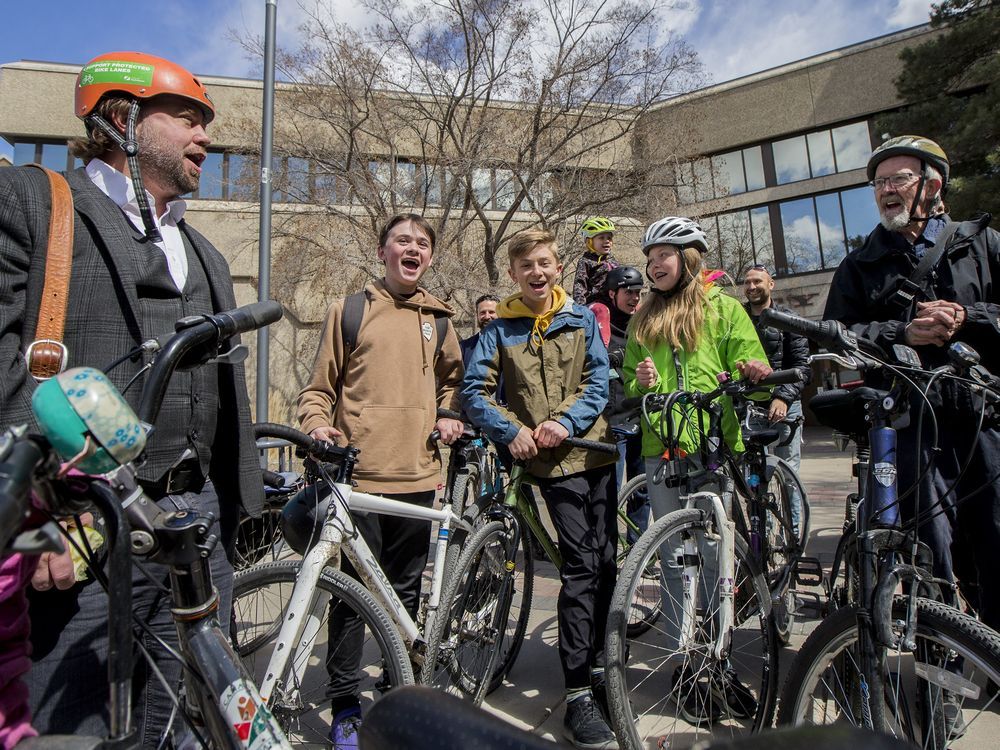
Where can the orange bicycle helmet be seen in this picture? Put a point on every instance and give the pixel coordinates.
(138, 75)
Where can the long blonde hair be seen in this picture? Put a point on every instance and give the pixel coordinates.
(677, 319)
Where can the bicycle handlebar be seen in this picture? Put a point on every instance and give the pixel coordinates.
(16, 471)
(573, 442)
(194, 332)
(318, 449)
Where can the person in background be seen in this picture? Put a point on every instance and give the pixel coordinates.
(596, 261)
(785, 351)
(486, 310)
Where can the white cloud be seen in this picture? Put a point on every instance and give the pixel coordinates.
(909, 13)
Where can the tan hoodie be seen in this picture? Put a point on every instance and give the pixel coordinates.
(391, 389)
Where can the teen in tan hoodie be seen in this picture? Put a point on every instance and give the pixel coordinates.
(385, 404)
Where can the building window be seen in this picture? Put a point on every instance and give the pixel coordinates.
(212, 182)
(852, 145)
(739, 239)
(753, 163)
(798, 225)
(860, 214)
(791, 159)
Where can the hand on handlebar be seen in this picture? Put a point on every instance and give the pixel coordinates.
(57, 568)
(778, 411)
(327, 433)
(449, 430)
(523, 447)
(936, 322)
(753, 370)
(550, 434)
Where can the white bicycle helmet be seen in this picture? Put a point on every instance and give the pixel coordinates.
(674, 230)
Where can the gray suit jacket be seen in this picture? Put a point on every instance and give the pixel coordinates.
(102, 321)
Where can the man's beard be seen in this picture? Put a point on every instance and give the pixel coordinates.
(895, 223)
(165, 166)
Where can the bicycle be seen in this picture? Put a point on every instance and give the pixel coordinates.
(282, 608)
(496, 565)
(766, 484)
(88, 425)
(903, 664)
(679, 680)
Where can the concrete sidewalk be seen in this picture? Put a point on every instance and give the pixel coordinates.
(532, 697)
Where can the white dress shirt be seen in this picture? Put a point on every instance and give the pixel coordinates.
(119, 188)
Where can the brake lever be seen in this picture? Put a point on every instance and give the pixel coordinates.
(234, 356)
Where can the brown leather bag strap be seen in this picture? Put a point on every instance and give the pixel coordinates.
(46, 355)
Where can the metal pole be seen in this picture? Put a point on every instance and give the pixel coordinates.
(264, 256)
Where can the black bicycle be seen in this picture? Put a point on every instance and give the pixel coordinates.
(891, 656)
(219, 705)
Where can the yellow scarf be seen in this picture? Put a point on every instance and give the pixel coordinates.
(514, 307)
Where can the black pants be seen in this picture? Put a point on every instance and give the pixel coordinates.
(400, 545)
(964, 537)
(583, 509)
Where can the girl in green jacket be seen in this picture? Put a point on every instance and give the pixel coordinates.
(684, 334)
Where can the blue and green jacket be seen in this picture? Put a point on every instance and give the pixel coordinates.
(564, 378)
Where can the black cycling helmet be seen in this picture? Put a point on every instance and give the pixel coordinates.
(623, 277)
(303, 516)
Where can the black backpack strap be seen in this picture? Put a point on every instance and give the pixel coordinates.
(441, 323)
(910, 289)
(350, 326)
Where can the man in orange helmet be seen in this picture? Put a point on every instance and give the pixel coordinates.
(137, 267)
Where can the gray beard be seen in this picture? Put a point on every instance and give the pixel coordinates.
(895, 223)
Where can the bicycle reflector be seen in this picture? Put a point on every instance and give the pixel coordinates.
(82, 402)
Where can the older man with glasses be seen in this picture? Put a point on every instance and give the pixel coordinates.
(926, 281)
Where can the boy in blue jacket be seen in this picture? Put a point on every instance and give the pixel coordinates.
(555, 366)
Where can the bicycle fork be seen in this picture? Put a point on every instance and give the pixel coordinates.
(725, 534)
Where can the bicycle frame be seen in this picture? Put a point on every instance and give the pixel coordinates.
(339, 535)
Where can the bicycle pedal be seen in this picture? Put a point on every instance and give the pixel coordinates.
(808, 572)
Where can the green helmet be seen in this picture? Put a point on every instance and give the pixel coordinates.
(596, 225)
(911, 145)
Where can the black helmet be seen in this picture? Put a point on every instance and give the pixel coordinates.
(623, 277)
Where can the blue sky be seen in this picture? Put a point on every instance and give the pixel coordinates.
(733, 37)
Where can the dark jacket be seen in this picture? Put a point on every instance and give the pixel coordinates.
(102, 320)
(591, 273)
(968, 273)
(785, 351)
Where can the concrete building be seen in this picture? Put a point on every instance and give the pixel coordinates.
(772, 164)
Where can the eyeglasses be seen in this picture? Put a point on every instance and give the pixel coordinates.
(898, 181)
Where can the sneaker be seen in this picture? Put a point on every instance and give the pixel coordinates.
(585, 727)
(732, 695)
(599, 688)
(344, 733)
(954, 722)
(694, 699)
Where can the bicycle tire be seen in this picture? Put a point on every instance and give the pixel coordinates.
(792, 480)
(783, 547)
(259, 539)
(644, 613)
(968, 660)
(462, 645)
(641, 671)
(260, 595)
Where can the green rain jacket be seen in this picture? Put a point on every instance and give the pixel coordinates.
(728, 337)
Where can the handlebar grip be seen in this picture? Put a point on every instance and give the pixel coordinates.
(591, 445)
(780, 377)
(826, 333)
(449, 414)
(247, 318)
(272, 479)
(318, 449)
(15, 487)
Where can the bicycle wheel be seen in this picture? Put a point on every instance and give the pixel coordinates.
(259, 539)
(463, 642)
(666, 693)
(644, 611)
(941, 694)
(300, 701)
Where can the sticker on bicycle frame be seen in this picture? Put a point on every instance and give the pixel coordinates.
(885, 474)
(249, 717)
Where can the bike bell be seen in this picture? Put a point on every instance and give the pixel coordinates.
(81, 402)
